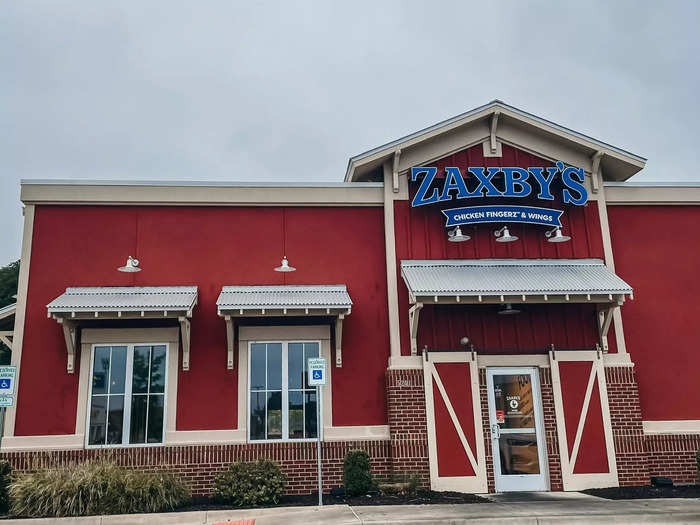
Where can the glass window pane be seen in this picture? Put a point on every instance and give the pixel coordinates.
(115, 418)
(98, 420)
(310, 351)
(137, 431)
(100, 370)
(296, 415)
(514, 407)
(158, 369)
(274, 415)
(155, 418)
(257, 415)
(310, 414)
(118, 371)
(142, 355)
(295, 365)
(274, 366)
(257, 366)
(519, 454)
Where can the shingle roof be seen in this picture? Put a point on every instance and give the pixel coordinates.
(511, 277)
(135, 298)
(292, 296)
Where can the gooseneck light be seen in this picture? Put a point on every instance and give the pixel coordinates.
(132, 265)
(503, 235)
(456, 235)
(555, 235)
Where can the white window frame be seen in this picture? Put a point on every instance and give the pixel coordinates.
(127, 391)
(285, 392)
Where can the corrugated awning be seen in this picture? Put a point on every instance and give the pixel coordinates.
(120, 300)
(296, 299)
(123, 302)
(513, 280)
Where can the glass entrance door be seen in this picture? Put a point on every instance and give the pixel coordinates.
(517, 429)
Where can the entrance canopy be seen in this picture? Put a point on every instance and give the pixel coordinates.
(513, 281)
(489, 281)
(123, 302)
(291, 300)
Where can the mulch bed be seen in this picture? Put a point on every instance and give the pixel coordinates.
(421, 498)
(646, 492)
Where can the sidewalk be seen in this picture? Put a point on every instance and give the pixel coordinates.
(578, 510)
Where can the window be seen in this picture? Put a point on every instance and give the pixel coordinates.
(127, 395)
(282, 404)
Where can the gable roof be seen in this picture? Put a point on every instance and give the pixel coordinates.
(618, 163)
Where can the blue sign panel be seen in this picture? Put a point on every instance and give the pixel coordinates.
(526, 214)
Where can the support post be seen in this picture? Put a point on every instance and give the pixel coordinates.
(185, 336)
(492, 136)
(395, 172)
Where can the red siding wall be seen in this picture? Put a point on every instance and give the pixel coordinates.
(421, 234)
(208, 247)
(656, 250)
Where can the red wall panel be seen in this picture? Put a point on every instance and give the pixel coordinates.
(421, 234)
(209, 247)
(656, 250)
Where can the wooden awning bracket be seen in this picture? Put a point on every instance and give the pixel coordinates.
(229, 342)
(605, 316)
(185, 329)
(339, 341)
(413, 316)
(70, 334)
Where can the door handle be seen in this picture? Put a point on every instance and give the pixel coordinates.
(495, 431)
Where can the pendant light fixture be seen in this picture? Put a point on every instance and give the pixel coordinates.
(508, 310)
(132, 265)
(284, 267)
(456, 235)
(555, 235)
(503, 235)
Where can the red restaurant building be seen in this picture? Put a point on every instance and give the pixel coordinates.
(499, 307)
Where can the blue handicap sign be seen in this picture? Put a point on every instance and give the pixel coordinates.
(317, 374)
(5, 383)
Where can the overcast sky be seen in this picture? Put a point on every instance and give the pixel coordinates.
(266, 91)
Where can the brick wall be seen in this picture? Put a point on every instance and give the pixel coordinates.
(626, 421)
(673, 456)
(550, 429)
(407, 423)
(198, 464)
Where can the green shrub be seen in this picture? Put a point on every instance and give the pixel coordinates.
(247, 484)
(357, 476)
(5, 472)
(96, 487)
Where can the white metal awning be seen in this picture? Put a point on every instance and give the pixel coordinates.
(489, 281)
(123, 302)
(290, 300)
(7, 322)
(513, 281)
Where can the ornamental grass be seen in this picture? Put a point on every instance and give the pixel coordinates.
(93, 488)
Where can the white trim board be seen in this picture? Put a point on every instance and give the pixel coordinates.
(679, 427)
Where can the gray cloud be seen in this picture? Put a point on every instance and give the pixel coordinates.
(266, 91)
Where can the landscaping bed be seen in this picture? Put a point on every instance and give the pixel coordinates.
(646, 492)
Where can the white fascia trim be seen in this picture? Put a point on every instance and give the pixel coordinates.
(479, 112)
(196, 183)
(682, 427)
(357, 433)
(54, 442)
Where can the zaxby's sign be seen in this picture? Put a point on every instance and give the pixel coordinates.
(481, 182)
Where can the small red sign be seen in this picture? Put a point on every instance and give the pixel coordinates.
(500, 416)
